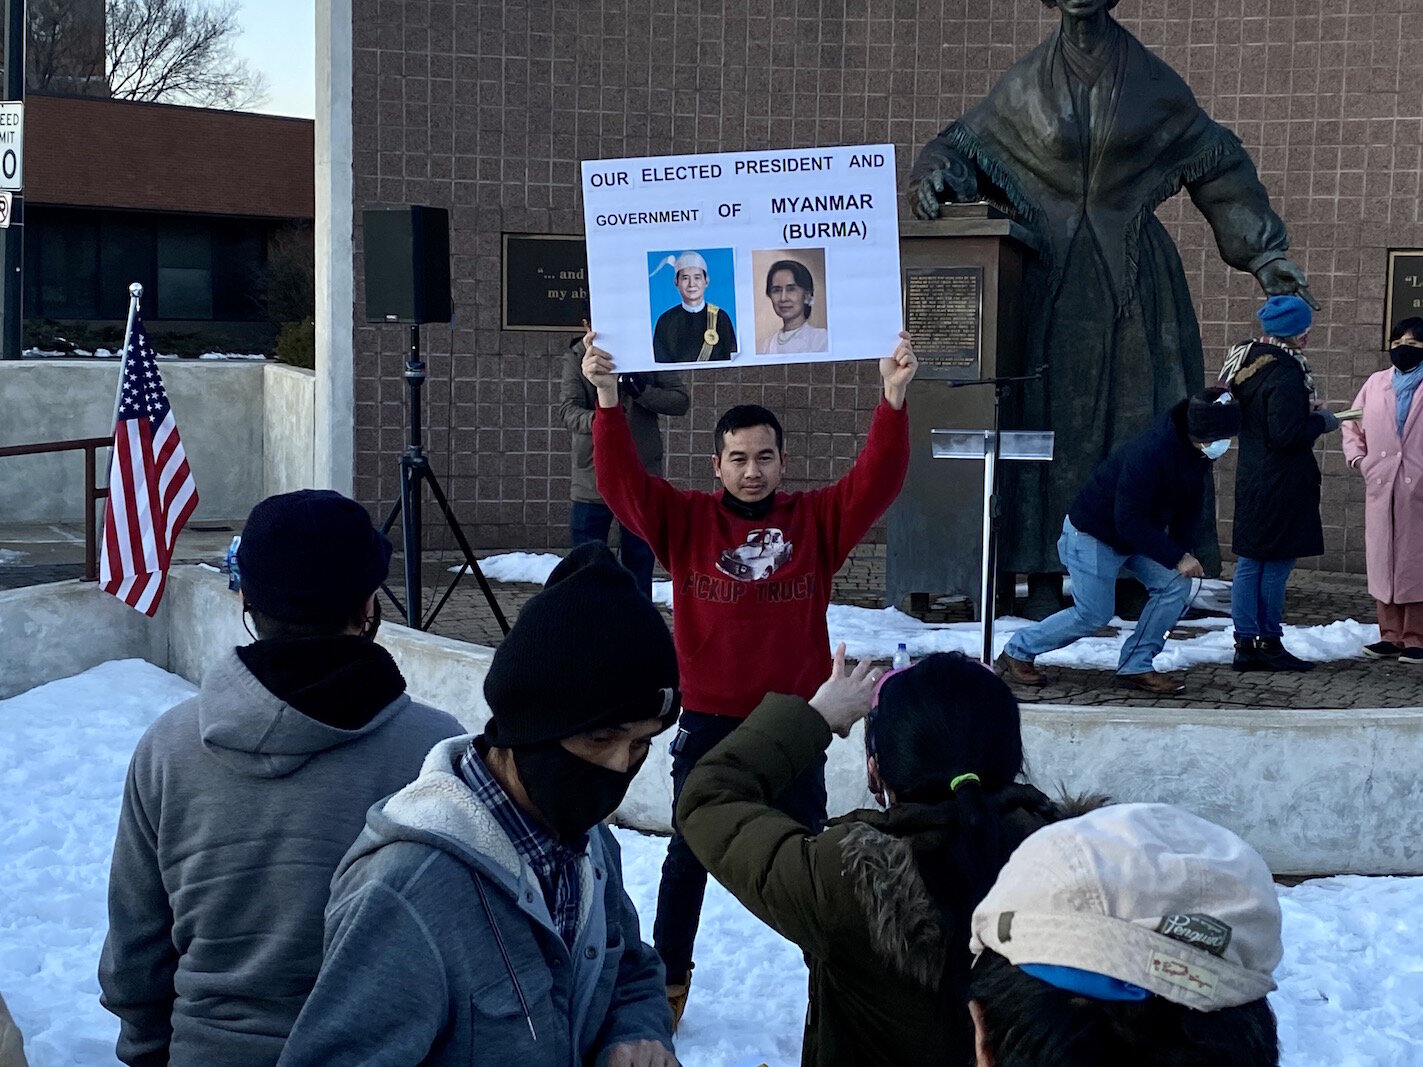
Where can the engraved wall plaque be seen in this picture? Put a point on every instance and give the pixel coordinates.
(943, 312)
(545, 283)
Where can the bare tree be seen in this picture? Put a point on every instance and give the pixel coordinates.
(179, 51)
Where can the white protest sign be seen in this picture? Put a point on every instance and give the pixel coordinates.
(744, 258)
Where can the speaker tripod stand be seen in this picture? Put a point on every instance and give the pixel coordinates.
(415, 473)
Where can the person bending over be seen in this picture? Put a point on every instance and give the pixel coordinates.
(879, 901)
(1136, 514)
(751, 570)
(1134, 934)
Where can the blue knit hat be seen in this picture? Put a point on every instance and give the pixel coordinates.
(1285, 316)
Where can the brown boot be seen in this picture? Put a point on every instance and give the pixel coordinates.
(1162, 685)
(677, 998)
(1021, 671)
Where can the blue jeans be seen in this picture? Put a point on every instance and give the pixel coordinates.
(592, 522)
(1094, 567)
(1257, 596)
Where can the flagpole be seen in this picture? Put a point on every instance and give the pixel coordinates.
(135, 294)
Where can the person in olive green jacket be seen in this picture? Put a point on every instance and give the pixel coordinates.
(880, 901)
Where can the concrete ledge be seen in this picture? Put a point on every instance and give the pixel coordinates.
(1319, 791)
(54, 631)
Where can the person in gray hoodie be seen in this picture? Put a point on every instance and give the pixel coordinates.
(481, 916)
(240, 802)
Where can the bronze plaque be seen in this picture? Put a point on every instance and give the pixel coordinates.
(545, 281)
(1405, 288)
(943, 311)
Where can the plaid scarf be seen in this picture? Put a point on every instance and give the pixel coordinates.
(1238, 361)
(555, 865)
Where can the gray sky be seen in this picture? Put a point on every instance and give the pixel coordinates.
(279, 39)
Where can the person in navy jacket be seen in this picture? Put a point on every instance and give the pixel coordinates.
(1135, 514)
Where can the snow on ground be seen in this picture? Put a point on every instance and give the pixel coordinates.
(1351, 983)
(871, 632)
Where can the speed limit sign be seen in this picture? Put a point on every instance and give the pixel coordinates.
(12, 145)
(4, 211)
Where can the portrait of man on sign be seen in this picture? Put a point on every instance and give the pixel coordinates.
(700, 326)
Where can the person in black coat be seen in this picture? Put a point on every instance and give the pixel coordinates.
(1137, 513)
(1276, 480)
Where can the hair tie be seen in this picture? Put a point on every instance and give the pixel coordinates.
(954, 783)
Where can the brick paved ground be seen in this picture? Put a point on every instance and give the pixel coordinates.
(1315, 597)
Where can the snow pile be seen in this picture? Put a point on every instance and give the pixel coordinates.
(876, 633)
(64, 751)
(1351, 983)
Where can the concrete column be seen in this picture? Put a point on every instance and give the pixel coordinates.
(335, 444)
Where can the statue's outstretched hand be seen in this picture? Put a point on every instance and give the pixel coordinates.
(953, 181)
(1281, 276)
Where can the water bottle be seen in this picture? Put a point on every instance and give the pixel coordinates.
(901, 657)
(234, 579)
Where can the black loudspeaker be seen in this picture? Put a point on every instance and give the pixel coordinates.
(407, 264)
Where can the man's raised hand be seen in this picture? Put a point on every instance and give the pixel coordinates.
(897, 370)
(598, 369)
(844, 699)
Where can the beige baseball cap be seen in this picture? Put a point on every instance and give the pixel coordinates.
(1146, 894)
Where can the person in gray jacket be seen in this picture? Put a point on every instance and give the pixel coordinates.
(240, 802)
(644, 397)
(481, 916)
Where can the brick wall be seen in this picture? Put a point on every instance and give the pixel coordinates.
(487, 107)
(87, 152)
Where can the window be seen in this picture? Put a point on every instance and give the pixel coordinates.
(184, 270)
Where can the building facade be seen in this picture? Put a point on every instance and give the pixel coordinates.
(186, 201)
(487, 107)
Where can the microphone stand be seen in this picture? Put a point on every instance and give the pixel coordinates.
(1002, 387)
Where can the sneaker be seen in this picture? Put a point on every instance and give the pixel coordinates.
(1247, 655)
(1158, 684)
(1411, 656)
(1275, 657)
(677, 999)
(1382, 650)
(1022, 671)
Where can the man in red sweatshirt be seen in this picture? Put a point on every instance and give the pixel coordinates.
(751, 569)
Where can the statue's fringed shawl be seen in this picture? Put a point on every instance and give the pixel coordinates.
(1148, 139)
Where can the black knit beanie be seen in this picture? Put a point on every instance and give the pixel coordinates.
(590, 651)
(1212, 415)
(311, 557)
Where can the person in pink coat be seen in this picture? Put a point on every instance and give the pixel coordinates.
(1386, 447)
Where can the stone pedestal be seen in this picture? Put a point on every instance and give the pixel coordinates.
(962, 276)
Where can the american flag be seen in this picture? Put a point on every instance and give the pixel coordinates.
(151, 489)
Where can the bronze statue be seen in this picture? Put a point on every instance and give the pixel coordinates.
(1080, 141)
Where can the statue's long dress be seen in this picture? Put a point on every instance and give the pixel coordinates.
(1081, 148)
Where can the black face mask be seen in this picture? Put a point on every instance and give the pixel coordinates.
(571, 794)
(1405, 357)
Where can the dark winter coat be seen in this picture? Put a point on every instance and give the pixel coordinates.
(1146, 497)
(888, 971)
(236, 811)
(1276, 476)
(662, 393)
(440, 949)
